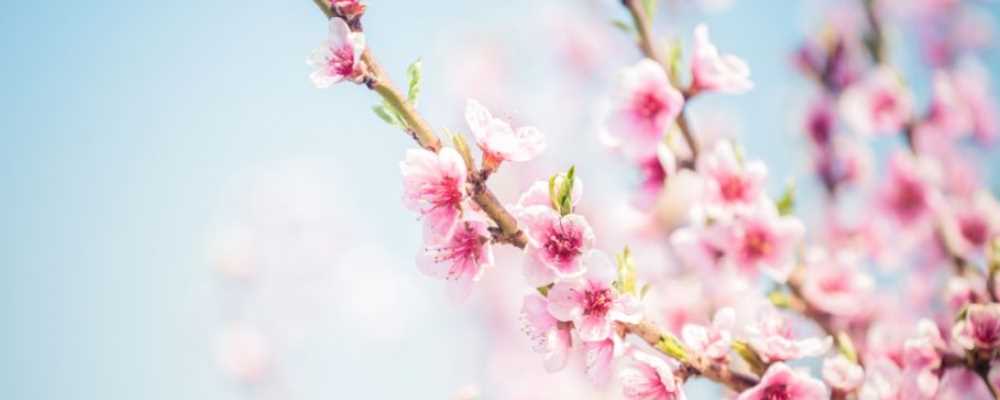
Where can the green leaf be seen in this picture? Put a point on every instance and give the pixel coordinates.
(672, 347)
(413, 74)
(674, 54)
(625, 280)
(650, 7)
(644, 290)
(786, 203)
(623, 26)
(561, 191)
(757, 365)
(779, 299)
(385, 112)
(846, 347)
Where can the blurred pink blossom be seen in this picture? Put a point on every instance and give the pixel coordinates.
(711, 71)
(782, 382)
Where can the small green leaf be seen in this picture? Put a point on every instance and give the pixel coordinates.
(747, 353)
(779, 299)
(625, 281)
(413, 74)
(623, 26)
(561, 191)
(846, 347)
(674, 54)
(672, 347)
(650, 7)
(386, 114)
(786, 203)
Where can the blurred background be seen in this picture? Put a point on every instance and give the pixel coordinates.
(185, 216)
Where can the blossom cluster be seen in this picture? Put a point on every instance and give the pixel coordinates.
(601, 305)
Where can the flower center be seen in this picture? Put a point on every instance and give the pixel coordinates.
(563, 246)
(757, 244)
(820, 126)
(447, 193)
(648, 105)
(988, 332)
(836, 284)
(776, 392)
(342, 61)
(597, 302)
(975, 230)
(732, 187)
(884, 105)
(461, 250)
(909, 199)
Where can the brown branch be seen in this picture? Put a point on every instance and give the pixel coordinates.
(648, 46)
(422, 132)
(714, 371)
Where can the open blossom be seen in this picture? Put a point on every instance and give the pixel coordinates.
(548, 337)
(878, 104)
(907, 196)
(712, 71)
(921, 360)
(650, 377)
(763, 241)
(835, 285)
(498, 140)
(591, 303)
(340, 56)
(843, 374)
(712, 341)
(782, 382)
(731, 184)
(556, 244)
(461, 259)
(947, 115)
(433, 185)
(970, 223)
(771, 337)
(644, 106)
(980, 328)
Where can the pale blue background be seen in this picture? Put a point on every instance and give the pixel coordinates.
(122, 119)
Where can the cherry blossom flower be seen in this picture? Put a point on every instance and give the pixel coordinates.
(781, 382)
(771, 337)
(548, 337)
(600, 356)
(498, 140)
(877, 104)
(763, 241)
(713, 341)
(962, 384)
(461, 259)
(819, 122)
(980, 328)
(972, 84)
(969, 223)
(947, 115)
(961, 291)
(731, 184)
(433, 185)
(700, 246)
(650, 377)
(340, 56)
(655, 171)
(591, 303)
(907, 195)
(843, 374)
(644, 106)
(921, 360)
(834, 284)
(556, 244)
(711, 71)
(882, 380)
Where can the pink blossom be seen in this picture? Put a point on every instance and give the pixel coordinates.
(433, 185)
(843, 374)
(731, 184)
(970, 222)
(877, 104)
(771, 337)
(650, 377)
(961, 291)
(461, 259)
(712, 341)
(962, 384)
(498, 140)
(921, 360)
(781, 382)
(762, 241)
(548, 337)
(711, 71)
(644, 107)
(699, 246)
(819, 122)
(907, 195)
(947, 115)
(599, 358)
(883, 380)
(835, 285)
(972, 84)
(980, 328)
(556, 244)
(591, 303)
(340, 56)
(655, 171)
(349, 9)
